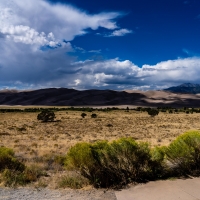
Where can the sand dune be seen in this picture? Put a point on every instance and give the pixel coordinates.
(71, 97)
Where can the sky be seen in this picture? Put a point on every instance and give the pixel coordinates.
(99, 44)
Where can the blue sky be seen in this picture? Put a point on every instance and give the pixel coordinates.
(129, 44)
(161, 29)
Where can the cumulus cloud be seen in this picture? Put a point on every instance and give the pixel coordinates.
(120, 32)
(41, 23)
(54, 68)
(27, 35)
(125, 74)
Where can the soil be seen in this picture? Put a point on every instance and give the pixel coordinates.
(47, 194)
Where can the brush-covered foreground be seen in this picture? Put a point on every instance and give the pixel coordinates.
(113, 164)
(41, 148)
(125, 161)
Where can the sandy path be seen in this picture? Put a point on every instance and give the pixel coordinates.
(178, 189)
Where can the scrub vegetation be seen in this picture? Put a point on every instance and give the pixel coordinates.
(107, 148)
(125, 161)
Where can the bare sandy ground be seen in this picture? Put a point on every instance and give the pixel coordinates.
(177, 189)
(166, 98)
(47, 194)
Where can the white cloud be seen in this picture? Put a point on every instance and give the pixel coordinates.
(120, 32)
(53, 68)
(27, 35)
(39, 22)
(95, 51)
(125, 74)
(77, 82)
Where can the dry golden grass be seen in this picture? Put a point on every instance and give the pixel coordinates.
(32, 140)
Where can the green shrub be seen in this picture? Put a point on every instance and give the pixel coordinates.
(8, 161)
(153, 112)
(59, 159)
(184, 153)
(93, 115)
(10, 167)
(79, 156)
(158, 166)
(83, 115)
(123, 161)
(127, 161)
(46, 116)
(113, 164)
(13, 178)
(87, 159)
(15, 172)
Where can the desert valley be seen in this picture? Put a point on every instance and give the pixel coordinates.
(43, 145)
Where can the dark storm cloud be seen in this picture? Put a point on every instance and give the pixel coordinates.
(2, 35)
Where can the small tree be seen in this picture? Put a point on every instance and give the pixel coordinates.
(83, 115)
(93, 115)
(46, 116)
(153, 112)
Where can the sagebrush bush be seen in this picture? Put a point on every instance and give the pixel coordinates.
(184, 153)
(46, 116)
(93, 115)
(83, 115)
(8, 161)
(153, 112)
(158, 166)
(79, 156)
(13, 178)
(126, 160)
(11, 168)
(15, 172)
(114, 164)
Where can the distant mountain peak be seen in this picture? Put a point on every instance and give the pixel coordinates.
(190, 88)
(189, 85)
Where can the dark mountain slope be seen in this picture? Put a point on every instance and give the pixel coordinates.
(63, 96)
(71, 97)
(185, 88)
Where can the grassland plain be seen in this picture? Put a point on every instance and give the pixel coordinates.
(36, 143)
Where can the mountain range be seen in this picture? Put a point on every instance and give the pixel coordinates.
(185, 88)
